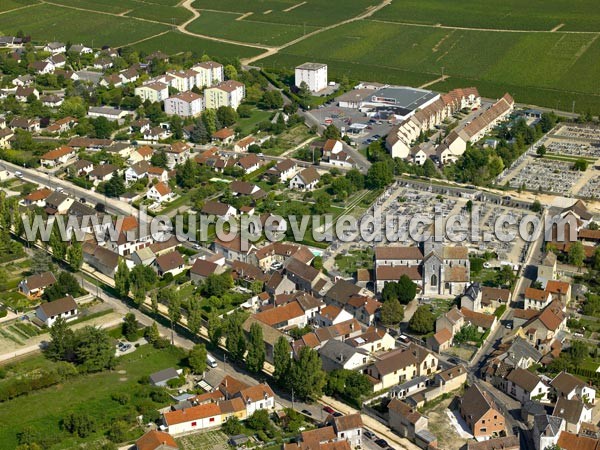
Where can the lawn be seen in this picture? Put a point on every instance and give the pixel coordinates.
(582, 15)
(90, 393)
(228, 26)
(289, 139)
(356, 259)
(175, 42)
(49, 22)
(494, 62)
(248, 124)
(7, 5)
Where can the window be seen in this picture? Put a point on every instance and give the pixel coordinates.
(194, 424)
(212, 419)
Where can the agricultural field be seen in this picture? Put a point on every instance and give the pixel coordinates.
(230, 26)
(317, 13)
(174, 42)
(7, 5)
(48, 22)
(582, 15)
(407, 54)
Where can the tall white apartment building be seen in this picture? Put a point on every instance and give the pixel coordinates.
(185, 104)
(313, 74)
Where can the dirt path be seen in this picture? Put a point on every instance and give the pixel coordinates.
(291, 8)
(557, 27)
(432, 82)
(243, 16)
(19, 8)
(497, 30)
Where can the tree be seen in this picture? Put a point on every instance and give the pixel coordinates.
(75, 255)
(255, 358)
(536, 206)
(580, 165)
(407, 290)
(79, 423)
(596, 259)
(151, 333)
(306, 376)
(576, 254)
(66, 283)
(60, 347)
(197, 359)
(271, 100)
(235, 341)
(422, 321)
(58, 246)
(209, 118)
(230, 72)
(332, 132)
(159, 159)
(392, 312)
(506, 276)
(130, 327)
(173, 301)
(259, 420)
(194, 319)
(93, 349)
(227, 115)
(578, 352)
(379, 175)
(122, 281)
(142, 279)
(115, 187)
(215, 331)
(216, 285)
(281, 360)
(232, 426)
(541, 151)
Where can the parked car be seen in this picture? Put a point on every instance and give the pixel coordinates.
(369, 435)
(329, 410)
(382, 443)
(306, 412)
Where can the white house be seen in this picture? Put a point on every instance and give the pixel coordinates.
(154, 92)
(546, 430)
(537, 299)
(332, 315)
(209, 73)
(349, 428)
(257, 397)
(525, 385)
(569, 386)
(65, 308)
(306, 180)
(218, 209)
(200, 417)
(313, 74)
(249, 163)
(171, 262)
(160, 192)
(110, 113)
(57, 157)
(55, 47)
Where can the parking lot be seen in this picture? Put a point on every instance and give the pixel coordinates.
(344, 118)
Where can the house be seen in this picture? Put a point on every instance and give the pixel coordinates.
(185, 104)
(89, 143)
(257, 397)
(348, 428)
(162, 377)
(341, 159)
(492, 298)
(574, 412)
(80, 49)
(224, 135)
(373, 340)
(249, 163)
(537, 299)
(227, 93)
(440, 341)
(525, 385)
(59, 61)
(65, 308)
(35, 285)
(306, 277)
(290, 315)
(451, 379)
(569, 386)
(233, 250)
(22, 94)
(42, 67)
(405, 420)
(270, 336)
(500, 443)
(453, 320)
(6, 135)
(306, 180)
(122, 149)
(283, 170)
(137, 171)
(276, 254)
(103, 173)
(218, 209)
(547, 270)
(471, 299)
(143, 153)
(156, 440)
(38, 198)
(481, 414)
(203, 268)
(483, 322)
(31, 125)
(559, 290)
(51, 101)
(172, 263)
(542, 329)
(55, 47)
(313, 75)
(243, 144)
(57, 157)
(336, 355)
(546, 430)
(244, 188)
(108, 112)
(100, 258)
(178, 153)
(62, 125)
(153, 92)
(200, 417)
(332, 315)
(160, 192)
(58, 203)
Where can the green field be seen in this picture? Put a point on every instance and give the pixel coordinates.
(513, 62)
(316, 13)
(175, 42)
(7, 5)
(226, 26)
(42, 410)
(581, 15)
(48, 22)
